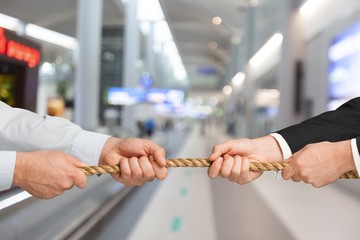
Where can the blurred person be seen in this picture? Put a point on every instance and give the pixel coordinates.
(149, 126)
(41, 154)
(324, 147)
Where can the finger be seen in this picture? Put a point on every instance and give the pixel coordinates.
(288, 171)
(147, 169)
(215, 167)
(136, 172)
(245, 172)
(236, 169)
(158, 153)
(219, 150)
(125, 174)
(160, 171)
(226, 166)
(80, 179)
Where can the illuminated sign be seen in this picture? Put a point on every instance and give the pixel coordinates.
(18, 51)
(130, 96)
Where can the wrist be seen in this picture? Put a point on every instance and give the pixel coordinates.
(109, 144)
(346, 159)
(20, 168)
(270, 148)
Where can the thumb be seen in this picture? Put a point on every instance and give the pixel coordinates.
(219, 150)
(79, 177)
(158, 153)
(288, 170)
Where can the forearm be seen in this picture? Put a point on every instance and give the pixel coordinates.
(22, 130)
(333, 126)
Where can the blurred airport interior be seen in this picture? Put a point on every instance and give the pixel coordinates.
(186, 74)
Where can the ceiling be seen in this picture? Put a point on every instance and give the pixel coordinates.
(190, 22)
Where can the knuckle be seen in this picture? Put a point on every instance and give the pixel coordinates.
(235, 172)
(149, 175)
(66, 185)
(125, 173)
(137, 173)
(224, 174)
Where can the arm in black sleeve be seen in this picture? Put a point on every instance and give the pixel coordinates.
(338, 125)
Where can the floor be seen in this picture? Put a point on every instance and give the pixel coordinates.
(189, 205)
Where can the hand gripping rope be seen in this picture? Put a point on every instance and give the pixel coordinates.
(202, 162)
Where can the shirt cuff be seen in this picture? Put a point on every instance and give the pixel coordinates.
(87, 146)
(355, 154)
(285, 149)
(7, 168)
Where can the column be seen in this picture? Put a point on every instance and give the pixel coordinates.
(248, 126)
(150, 59)
(131, 54)
(292, 48)
(89, 25)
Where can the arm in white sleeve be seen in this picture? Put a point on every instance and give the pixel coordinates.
(355, 154)
(7, 167)
(22, 130)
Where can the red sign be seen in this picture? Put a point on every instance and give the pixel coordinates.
(18, 51)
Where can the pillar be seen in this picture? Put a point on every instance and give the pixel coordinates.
(89, 25)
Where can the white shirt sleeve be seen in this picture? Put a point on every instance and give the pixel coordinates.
(285, 149)
(355, 154)
(22, 130)
(7, 166)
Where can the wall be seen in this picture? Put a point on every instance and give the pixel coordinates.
(315, 58)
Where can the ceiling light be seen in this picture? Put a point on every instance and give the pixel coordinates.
(309, 7)
(50, 36)
(227, 90)
(149, 10)
(238, 79)
(267, 50)
(9, 22)
(216, 20)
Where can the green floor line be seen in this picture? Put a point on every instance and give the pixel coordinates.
(176, 224)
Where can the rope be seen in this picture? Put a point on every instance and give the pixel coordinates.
(202, 162)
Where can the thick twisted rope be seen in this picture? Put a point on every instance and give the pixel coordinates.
(202, 162)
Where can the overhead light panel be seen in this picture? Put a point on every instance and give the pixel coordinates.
(50, 36)
(309, 7)
(265, 52)
(149, 10)
(238, 79)
(8, 22)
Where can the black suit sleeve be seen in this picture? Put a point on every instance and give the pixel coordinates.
(338, 125)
